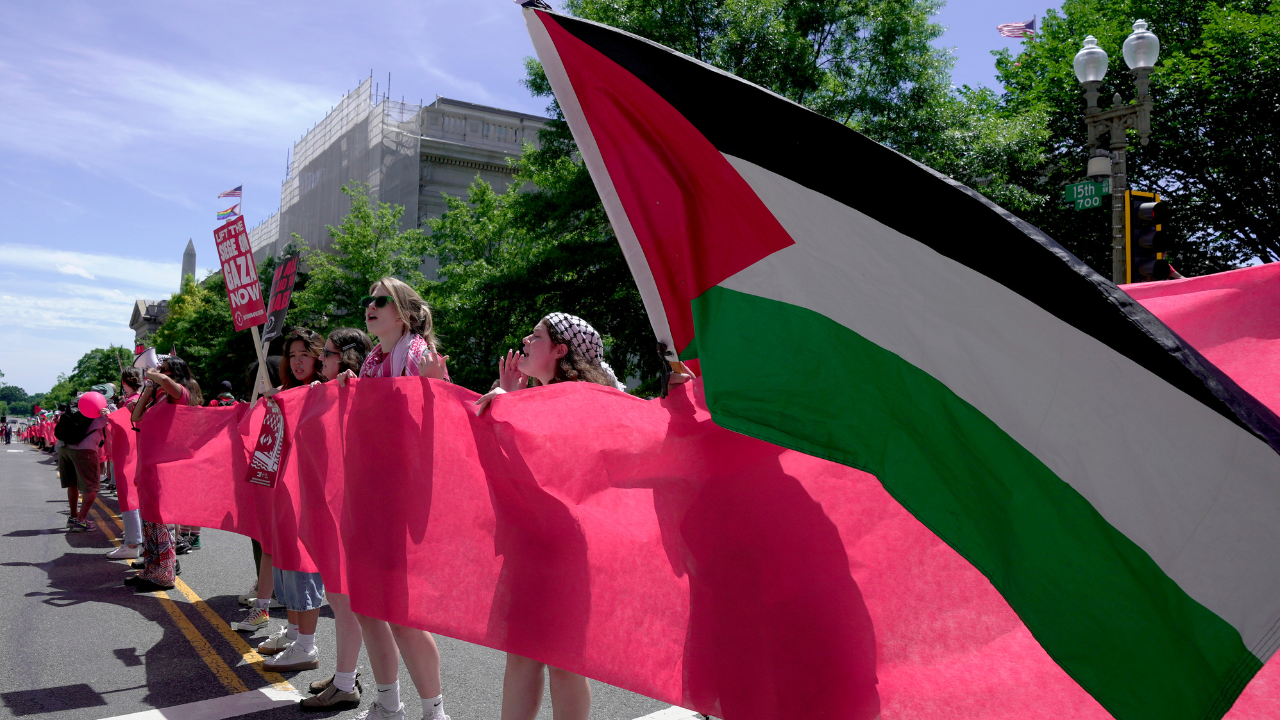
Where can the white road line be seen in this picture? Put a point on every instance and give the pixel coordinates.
(13, 451)
(219, 708)
(673, 713)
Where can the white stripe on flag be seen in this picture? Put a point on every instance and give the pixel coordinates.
(1201, 502)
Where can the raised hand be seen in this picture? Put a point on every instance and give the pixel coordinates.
(483, 403)
(510, 378)
(433, 365)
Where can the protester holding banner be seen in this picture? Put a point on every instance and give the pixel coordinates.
(293, 646)
(344, 351)
(171, 383)
(129, 549)
(401, 320)
(561, 348)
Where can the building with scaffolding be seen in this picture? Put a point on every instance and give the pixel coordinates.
(409, 155)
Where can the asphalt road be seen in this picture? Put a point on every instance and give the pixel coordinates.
(77, 644)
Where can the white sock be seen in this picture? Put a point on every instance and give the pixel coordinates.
(306, 643)
(262, 603)
(389, 696)
(433, 708)
(290, 631)
(346, 682)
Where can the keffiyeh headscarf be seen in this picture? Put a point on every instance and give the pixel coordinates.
(585, 340)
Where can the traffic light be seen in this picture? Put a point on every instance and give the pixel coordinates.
(1146, 244)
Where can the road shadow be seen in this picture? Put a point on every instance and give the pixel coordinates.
(175, 672)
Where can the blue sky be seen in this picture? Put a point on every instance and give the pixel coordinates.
(121, 122)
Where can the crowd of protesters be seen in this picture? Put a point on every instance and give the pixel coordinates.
(559, 348)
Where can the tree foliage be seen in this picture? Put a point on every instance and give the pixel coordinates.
(367, 246)
(543, 246)
(1216, 92)
(100, 365)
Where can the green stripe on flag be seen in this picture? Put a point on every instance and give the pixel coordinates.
(1097, 603)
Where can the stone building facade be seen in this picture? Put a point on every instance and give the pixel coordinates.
(409, 155)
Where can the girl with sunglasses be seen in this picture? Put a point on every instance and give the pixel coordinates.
(561, 348)
(344, 351)
(400, 319)
(170, 383)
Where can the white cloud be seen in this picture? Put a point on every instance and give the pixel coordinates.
(146, 275)
(69, 269)
(126, 102)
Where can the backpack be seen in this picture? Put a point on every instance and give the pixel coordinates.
(72, 427)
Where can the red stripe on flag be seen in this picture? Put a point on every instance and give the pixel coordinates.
(696, 228)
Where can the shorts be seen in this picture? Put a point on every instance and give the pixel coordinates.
(298, 590)
(80, 467)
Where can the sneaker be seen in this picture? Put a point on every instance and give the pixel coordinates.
(124, 552)
(79, 527)
(137, 564)
(331, 698)
(181, 547)
(253, 623)
(194, 541)
(377, 712)
(320, 685)
(278, 641)
(293, 659)
(71, 520)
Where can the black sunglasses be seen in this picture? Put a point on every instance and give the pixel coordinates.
(379, 301)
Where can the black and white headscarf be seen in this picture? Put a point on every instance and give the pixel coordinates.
(584, 339)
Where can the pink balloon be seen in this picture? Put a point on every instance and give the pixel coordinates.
(92, 403)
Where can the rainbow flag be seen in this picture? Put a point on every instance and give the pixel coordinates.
(229, 213)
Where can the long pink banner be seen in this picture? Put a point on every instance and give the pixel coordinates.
(638, 543)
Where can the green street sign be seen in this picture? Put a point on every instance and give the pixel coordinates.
(1088, 194)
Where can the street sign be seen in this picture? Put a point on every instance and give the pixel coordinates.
(1088, 194)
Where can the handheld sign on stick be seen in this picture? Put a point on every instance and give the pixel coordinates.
(244, 292)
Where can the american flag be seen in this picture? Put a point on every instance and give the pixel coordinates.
(236, 191)
(1014, 30)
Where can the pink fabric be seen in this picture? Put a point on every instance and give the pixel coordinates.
(124, 456)
(192, 468)
(1232, 318)
(638, 543)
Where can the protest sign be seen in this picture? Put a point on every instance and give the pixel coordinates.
(241, 276)
(281, 290)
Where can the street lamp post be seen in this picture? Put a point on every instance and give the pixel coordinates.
(1141, 49)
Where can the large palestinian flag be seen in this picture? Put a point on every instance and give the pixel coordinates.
(1120, 492)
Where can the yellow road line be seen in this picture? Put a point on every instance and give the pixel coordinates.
(248, 653)
(220, 669)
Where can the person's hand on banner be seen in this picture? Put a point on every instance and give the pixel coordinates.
(510, 378)
(483, 403)
(344, 376)
(433, 365)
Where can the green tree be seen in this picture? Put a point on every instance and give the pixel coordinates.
(507, 260)
(1213, 146)
(101, 365)
(13, 393)
(61, 393)
(367, 246)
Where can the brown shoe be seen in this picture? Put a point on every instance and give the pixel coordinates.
(319, 686)
(332, 699)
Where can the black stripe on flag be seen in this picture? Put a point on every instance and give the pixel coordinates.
(938, 212)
